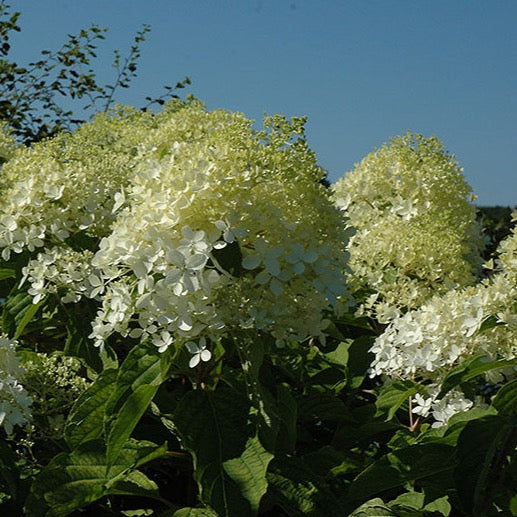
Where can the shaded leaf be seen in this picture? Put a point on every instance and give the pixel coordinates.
(73, 480)
(505, 400)
(84, 422)
(471, 368)
(482, 452)
(396, 469)
(214, 428)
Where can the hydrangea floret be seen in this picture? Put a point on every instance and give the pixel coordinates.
(182, 226)
(15, 402)
(417, 233)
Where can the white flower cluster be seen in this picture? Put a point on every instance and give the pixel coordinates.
(202, 226)
(14, 400)
(62, 270)
(416, 228)
(445, 330)
(426, 343)
(63, 186)
(441, 409)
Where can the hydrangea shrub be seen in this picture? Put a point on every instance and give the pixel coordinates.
(231, 376)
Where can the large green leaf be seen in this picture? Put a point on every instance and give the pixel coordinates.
(505, 400)
(85, 421)
(7, 273)
(393, 396)
(265, 411)
(74, 480)
(191, 512)
(398, 468)
(77, 344)
(374, 508)
(288, 412)
(18, 311)
(9, 471)
(138, 380)
(298, 490)
(471, 368)
(249, 471)
(127, 418)
(229, 461)
(483, 449)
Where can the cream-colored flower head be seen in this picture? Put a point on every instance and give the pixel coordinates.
(416, 228)
(183, 225)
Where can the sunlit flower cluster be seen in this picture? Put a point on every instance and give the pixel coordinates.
(65, 186)
(425, 343)
(416, 229)
(183, 226)
(61, 270)
(15, 402)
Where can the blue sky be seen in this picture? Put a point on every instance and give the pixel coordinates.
(363, 71)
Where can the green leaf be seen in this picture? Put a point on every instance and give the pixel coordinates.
(288, 412)
(73, 480)
(489, 323)
(7, 273)
(359, 360)
(9, 471)
(440, 505)
(18, 311)
(298, 490)
(249, 472)
(325, 406)
(191, 512)
(214, 428)
(393, 396)
(138, 380)
(84, 422)
(482, 452)
(229, 258)
(471, 368)
(340, 355)
(78, 345)
(450, 433)
(265, 413)
(413, 500)
(127, 418)
(396, 469)
(505, 400)
(373, 508)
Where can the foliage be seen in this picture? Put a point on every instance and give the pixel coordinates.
(46, 96)
(496, 222)
(232, 375)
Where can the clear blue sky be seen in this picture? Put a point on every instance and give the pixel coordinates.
(361, 70)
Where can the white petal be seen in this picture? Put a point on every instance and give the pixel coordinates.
(194, 361)
(205, 355)
(192, 347)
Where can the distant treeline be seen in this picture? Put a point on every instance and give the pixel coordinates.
(496, 222)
